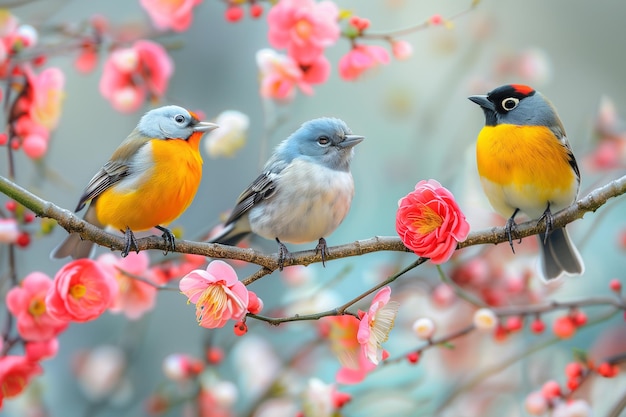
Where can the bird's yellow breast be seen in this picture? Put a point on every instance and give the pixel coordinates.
(524, 167)
(162, 193)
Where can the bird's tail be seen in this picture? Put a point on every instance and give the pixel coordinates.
(559, 256)
(232, 234)
(75, 246)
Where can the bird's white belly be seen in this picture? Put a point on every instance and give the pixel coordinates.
(310, 202)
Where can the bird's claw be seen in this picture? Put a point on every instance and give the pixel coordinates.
(511, 230)
(549, 219)
(169, 238)
(322, 249)
(130, 242)
(283, 253)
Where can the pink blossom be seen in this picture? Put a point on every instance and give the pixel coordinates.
(376, 324)
(15, 373)
(361, 58)
(401, 50)
(281, 75)
(37, 351)
(28, 304)
(304, 27)
(217, 293)
(354, 375)
(82, 291)
(9, 231)
(130, 75)
(430, 223)
(134, 297)
(48, 94)
(170, 14)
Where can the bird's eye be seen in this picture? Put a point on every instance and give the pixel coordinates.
(510, 103)
(179, 118)
(323, 141)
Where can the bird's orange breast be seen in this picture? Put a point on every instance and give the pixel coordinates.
(523, 155)
(161, 194)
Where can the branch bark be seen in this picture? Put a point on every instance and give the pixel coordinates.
(269, 262)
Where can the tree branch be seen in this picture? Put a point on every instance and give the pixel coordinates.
(74, 224)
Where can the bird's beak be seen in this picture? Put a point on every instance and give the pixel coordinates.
(482, 101)
(204, 127)
(350, 141)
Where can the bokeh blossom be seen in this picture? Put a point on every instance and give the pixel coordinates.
(134, 297)
(430, 223)
(82, 291)
(131, 75)
(28, 304)
(9, 230)
(280, 75)
(360, 59)
(218, 294)
(376, 324)
(15, 374)
(37, 110)
(303, 27)
(170, 14)
(230, 137)
(322, 400)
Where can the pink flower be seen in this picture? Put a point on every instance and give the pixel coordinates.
(9, 231)
(360, 59)
(15, 373)
(170, 14)
(28, 304)
(82, 291)
(304, 27)
(376, 324)
(48, 94)
(37, 351)
(132, 74)
(134, 297)
(281, 75)
(430, 222)
(357, 373)
(217, 293)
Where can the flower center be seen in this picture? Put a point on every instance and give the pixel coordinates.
(304, 29)
(211, 302)
(78, 291)
(37, 307)
(428, 221)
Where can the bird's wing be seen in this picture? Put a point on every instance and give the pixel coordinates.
(261, 189)
(111, 173)
(559, 132)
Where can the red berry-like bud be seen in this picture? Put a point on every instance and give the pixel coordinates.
(40, 60)
(564, 327)
(241, 328)
(573, 370)
(15, 144)
(23, 240)
(578, 318)
(214, 355)
(573, 384)
(615, 285)
(607, 370)
(233, 14)
(436, 19)
(10, 205)
(514, 323)
(256, 10)
(29, 217)
(413, 357)
(500, 333)
(551, 389)
(537, 326)
(4, 139)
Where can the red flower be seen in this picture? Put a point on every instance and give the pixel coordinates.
(82, 290)
(15, 374)
(430, 222)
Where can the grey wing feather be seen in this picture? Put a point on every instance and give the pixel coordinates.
(111, 173)
(261, 189)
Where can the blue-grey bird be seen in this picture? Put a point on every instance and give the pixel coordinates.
(526, 164)
(304, 192)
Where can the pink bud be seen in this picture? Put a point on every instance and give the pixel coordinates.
(402, 50)
(35, 146)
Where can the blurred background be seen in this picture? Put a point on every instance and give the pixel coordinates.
(418, 125)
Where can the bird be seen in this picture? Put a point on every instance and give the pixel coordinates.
(303, 193)
(526, 164)
(149, 181)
